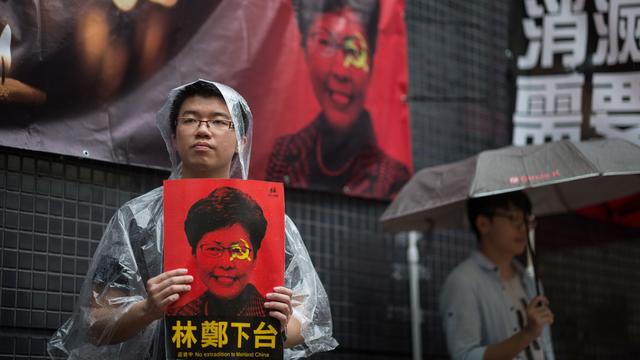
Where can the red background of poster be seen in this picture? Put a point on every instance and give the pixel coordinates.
(180, 196)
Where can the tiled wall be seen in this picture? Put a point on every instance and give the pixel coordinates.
(53, 212)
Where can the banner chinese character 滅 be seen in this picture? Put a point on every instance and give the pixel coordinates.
(229, 235)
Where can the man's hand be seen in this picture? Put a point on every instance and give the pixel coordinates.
(279, 305)
(111, 325)
(165, 289)
(538, 316)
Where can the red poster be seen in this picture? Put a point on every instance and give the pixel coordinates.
(229, 234)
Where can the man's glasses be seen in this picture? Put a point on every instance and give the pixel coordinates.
(216, 124)
(518, 220)
(236, 251)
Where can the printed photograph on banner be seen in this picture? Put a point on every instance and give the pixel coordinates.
(343, 144)
(229, 235)
(57, 51)
(76, 66)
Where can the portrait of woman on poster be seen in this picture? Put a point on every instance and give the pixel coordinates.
(225, 230)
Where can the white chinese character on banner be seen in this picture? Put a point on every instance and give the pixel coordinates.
(616, 105)
(623, 24)
(548, 108)
(563, 31)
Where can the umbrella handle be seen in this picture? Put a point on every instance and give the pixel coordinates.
(534, 263)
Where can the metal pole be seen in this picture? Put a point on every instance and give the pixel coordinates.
(413, 259)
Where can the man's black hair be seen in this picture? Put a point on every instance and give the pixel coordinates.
(225, 207)
(199, 88)
(367, 10)
(487, 206)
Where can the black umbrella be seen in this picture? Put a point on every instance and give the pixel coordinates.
(558, 177)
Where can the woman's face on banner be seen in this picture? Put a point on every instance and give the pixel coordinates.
(337, 53)
(225, 259)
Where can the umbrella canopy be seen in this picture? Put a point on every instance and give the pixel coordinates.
(558, 177)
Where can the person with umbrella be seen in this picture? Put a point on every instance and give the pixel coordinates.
(557, 177)
(489, 303)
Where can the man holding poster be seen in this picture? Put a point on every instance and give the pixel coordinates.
(207, 129)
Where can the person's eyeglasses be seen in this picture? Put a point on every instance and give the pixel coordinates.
(236, 251)
(518, 220)
(216, 124)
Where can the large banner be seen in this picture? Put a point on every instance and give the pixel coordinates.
(578, 70)
(326, 81)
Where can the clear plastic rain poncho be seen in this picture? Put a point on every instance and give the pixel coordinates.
(130, 253)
